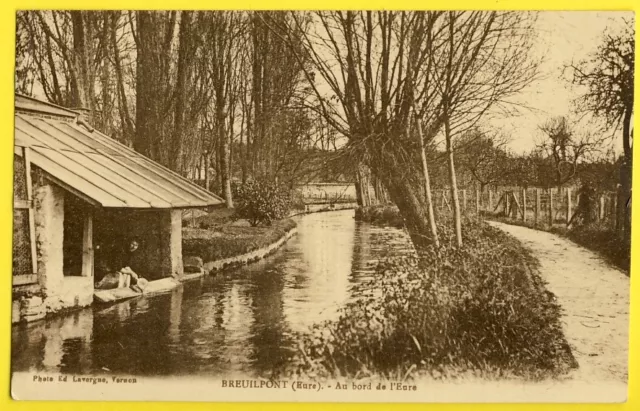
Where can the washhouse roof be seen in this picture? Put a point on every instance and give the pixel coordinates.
(97, 168)
(30, 104)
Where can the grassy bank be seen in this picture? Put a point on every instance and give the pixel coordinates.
(597, 237)
(480, 311)
(215, 242)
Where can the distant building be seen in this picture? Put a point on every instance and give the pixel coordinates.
(77, 192)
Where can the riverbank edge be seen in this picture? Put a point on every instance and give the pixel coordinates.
(250, 257)
(263, 252)
(533, 284)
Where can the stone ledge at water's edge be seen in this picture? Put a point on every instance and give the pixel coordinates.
(249, 257)
(161, 286)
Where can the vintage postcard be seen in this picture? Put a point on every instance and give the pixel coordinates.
(322, 206)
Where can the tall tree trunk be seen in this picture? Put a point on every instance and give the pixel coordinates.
(427, 187)
(406, 193)
(184, 54)
(626, 175)
(358, 184)
(123, 105)
(453, 183)
(225, 169)
(243, 148)
(207, 178)
(80, 96)
(155, 32)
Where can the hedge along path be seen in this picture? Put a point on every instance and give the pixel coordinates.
(594, 298)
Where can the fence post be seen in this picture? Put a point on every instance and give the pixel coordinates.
(464, 201)
(601, 210)
(550, 207)
(524, 204)
(616, 213)
(477, 202)
(536, 213)
(490, 200)
(568, 204)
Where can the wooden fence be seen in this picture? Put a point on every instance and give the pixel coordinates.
(534, 205)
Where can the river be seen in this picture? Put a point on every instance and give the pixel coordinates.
(240, 322)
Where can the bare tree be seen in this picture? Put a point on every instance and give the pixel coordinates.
(68, 58)
(223, 45)
(427, 188)
(565, 148)
(154, 34)
(376, 65)
(483, 156)
(116, 24)
(608, 74)
(173, 87)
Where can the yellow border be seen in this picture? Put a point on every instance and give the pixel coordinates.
(7, 35)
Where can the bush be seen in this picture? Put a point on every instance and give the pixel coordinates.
(297, 201)
(480, 310)
(261, 202)
(380, 215)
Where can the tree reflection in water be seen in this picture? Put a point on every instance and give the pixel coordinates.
(239, 322)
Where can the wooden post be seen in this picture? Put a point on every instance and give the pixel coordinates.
(568, 215)
(464, 201)
(477, 201)
(602, 209)
(550, 206)
(444, 200)
(26, 157)
(524, 204)
(536, 213)
(87, 246)
(616, 213)
(490, 199)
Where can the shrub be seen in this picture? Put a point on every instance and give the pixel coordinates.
(477, 310)
(297, 201)
(261, 202)
(387, 215)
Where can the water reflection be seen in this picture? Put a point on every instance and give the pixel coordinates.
(240, 322)
(62, 344)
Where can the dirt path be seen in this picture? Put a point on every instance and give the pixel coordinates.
(594, 297)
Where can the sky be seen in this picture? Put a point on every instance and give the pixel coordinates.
(563, 37)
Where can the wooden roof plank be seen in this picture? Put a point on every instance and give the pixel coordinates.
(105, 170)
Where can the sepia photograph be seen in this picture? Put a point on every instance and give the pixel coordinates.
(322, 206)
